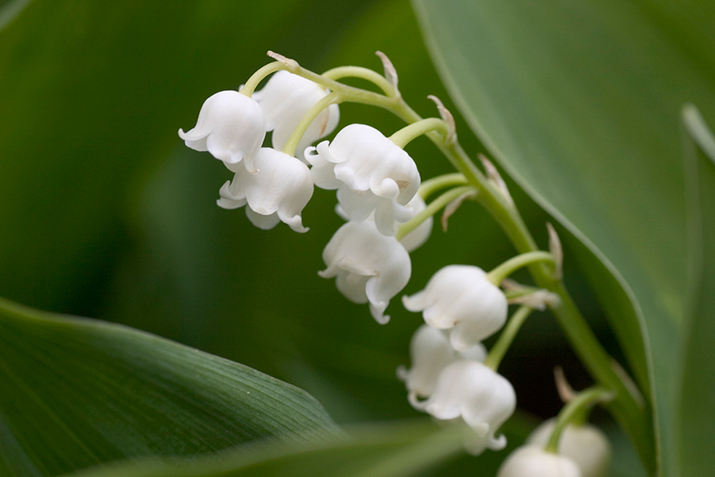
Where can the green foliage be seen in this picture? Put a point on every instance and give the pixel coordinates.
(580, 103)
(78, 393)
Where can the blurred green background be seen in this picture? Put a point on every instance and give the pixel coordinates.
(105, 213)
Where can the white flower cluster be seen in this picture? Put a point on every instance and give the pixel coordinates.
(376, 181)
(448, 379)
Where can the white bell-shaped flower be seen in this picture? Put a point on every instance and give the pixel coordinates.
(278, 191)
(285, 99)
(371, 174)
(476, 393)
(418, 236)
(461, 298)
(534, 461)
(231, 126)
(368, 266)
(430, 353)
(585, 444)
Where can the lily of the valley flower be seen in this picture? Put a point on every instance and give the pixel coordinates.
(461, 298)
(476, 393)
(231, 126)
(278, 190)
(534, 461)
(368, 266)
(370, 172)
(585, 444)
(285, 99)
(418, 236)
(430, 353)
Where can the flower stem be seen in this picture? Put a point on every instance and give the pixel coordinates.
(498, 275)
(574, 410)
(364, 73)
(258, 76)
(496, 354)
(440, 182)
(403, 137)
(431, 209)
(305, 122)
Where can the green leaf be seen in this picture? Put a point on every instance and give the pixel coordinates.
(694, 403)
(79, 392)
(580, 103)
(376, 450)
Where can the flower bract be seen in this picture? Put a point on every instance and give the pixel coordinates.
(278, 190)
(285, 99)
(368, 266)
(461, 298)
(231, 126)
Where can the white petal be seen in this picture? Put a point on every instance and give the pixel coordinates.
(263, 222)
(418, 236)
(430, 353)
(230, 126)
(533, 461)
(361, 251)
(585, 444)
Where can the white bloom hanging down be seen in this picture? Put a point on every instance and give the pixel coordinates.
(476, 393)
(371, 174)
(231, 126)
(418, 236)
(534, 461)
(285, 99)
(278, 191)
(368, 266)
(430, 353)
(460, 298)
(585, 444)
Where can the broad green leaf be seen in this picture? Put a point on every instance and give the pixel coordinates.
(389, 450)
(695, 401)
(78, 392)
(580, 103)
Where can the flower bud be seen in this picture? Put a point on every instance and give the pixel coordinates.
(585, 444)
(461, 298)
(285, 99)
(231, 127)
(368, 266)
(278, 191)
(534, 461)
(476, 393)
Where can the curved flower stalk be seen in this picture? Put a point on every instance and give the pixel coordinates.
(585, 444)
(534, 461)
(285, 99)
(461, 298)
(371, 174)
(476, 393)
(368, 266)
(278, 191)
(231, 127)
(430, 353)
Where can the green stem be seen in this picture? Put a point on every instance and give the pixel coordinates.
(574, 410)
(431, 209)
(405, 135)
(500, 273)
(306, 120)
(258, 76)
(496, 354)
(440, 182)
(363, 73)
